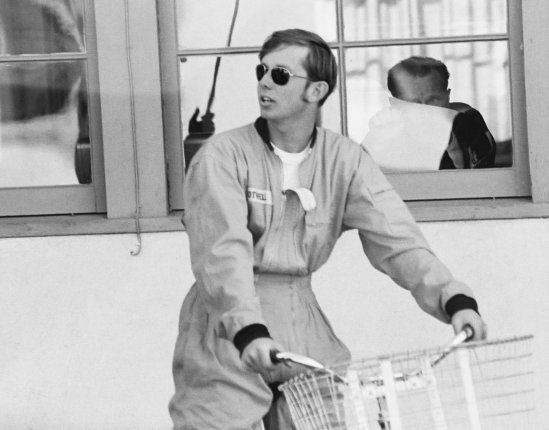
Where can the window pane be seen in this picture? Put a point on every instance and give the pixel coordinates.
(479, 77)
(207, 23)
(41, 27)
(400, 19)
(234, 102)
(43, 118)
(235, 97)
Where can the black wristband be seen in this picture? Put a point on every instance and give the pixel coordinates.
(249, 333)
(460, 302)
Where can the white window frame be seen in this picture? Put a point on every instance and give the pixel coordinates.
(133, 148)
(465, 183)
(154, 134)
(481, 193)
(535, 37)
(129, 170)
(76, 198)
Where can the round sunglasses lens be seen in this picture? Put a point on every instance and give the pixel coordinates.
(280, 76)
(260, 71)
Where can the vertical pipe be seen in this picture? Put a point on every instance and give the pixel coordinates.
(469, 390)
(391, 395)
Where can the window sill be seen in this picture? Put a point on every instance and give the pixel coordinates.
(477, 209)
(423, 211)
(67, 225)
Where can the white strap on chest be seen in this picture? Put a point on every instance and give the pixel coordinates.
(306, 197)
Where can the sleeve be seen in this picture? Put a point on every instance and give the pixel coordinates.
(221, 246)
(476, 141)
(393, 243)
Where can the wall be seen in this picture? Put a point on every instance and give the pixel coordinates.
(87, 330)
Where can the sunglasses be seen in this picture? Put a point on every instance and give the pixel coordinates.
(279, 75)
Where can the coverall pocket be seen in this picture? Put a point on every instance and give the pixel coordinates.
(317, 217)
(320, 236)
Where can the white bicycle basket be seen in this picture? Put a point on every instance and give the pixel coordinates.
(486, 385)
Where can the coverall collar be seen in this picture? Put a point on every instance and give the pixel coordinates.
(263, 130)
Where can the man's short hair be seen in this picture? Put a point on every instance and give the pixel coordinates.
(420, 67)
(320, 63)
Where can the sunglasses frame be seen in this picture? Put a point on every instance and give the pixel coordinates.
(262, 68)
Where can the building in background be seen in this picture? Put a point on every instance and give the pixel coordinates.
(95, 260)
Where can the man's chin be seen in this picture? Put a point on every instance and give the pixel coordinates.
(268, 114)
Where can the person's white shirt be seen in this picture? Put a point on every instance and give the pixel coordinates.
(409, 136)
(290, 171)
(290, 166)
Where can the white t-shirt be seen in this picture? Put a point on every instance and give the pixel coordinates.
(290, 166)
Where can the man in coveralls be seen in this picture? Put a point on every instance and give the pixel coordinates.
(264, 206)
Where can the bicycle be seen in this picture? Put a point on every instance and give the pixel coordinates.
(484, 385)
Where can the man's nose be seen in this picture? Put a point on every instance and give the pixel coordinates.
(265, 79)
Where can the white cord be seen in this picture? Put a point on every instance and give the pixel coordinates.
(134, 138)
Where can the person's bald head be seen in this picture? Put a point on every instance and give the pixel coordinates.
(421, 80)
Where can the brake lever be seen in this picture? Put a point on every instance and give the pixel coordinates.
(290, 357)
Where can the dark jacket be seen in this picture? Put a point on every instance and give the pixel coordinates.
(477, 144)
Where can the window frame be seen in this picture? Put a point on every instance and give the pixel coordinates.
(128, 152)
(158, 132)
(432, 190)
(501, 182)
(77, 198)
(131, 109)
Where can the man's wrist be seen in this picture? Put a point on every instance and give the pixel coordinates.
(248, 334)
(460, 302)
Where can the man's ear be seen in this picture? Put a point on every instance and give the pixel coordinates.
(448, 96)
(316, 91)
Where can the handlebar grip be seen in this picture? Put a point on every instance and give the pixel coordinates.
(466, 334)
(274, 356)
(469, 331)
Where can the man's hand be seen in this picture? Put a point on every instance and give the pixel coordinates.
(256, 356)
(470, 317)
(205, 126)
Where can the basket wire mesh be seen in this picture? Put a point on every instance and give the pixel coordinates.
(485, 385)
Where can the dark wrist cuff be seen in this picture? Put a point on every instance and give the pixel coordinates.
(249, 333)
(460, 302)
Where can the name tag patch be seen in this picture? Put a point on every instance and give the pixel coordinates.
(263, 197)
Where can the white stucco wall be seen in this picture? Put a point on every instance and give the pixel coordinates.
(87, 330)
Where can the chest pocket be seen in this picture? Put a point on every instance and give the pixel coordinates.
(259, 216)
(320, 236)
(317, 217)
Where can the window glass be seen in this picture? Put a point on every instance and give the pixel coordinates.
(44, 133)
(227, 99)
(403, 19)
(207, 23)
(477, 41)
(231, 93)
(43, 117)
(479, 78)
(41, 27)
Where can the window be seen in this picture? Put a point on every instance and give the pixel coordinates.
(115, 85)
(81, 78)
(213, 71)
(480, 42)
(48, 162)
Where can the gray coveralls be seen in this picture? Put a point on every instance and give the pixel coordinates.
(253, 250)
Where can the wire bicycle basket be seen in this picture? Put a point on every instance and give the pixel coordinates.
(486, 385)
